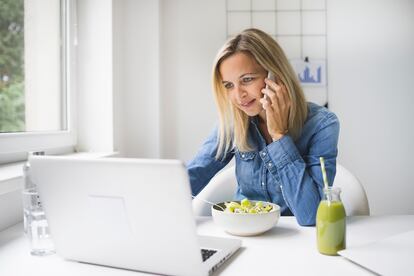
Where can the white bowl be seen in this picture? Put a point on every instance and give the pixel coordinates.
(241, 224)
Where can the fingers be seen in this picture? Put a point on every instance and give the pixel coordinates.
(272, 84)
(272, 91)
(277, 93)
(272, 97)
(285, 95)
(277, 105)
(266, 103)
(269, 109)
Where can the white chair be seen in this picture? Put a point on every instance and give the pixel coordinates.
(220, 188)
(223, 186)
(353, 193)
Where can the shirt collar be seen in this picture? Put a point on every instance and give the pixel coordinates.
(254, 120)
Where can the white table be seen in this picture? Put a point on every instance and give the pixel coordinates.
(287, 249)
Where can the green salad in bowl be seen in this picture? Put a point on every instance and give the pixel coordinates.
(245, 217)
(247, 206)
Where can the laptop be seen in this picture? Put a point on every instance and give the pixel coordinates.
(127, 213)
(389, 256)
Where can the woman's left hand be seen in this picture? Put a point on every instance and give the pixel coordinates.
(277, 105)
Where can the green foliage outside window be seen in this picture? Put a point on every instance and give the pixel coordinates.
(12, 103)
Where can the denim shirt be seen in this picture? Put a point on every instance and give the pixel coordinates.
(285, 172)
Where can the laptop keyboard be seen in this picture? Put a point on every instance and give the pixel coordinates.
(206, 253)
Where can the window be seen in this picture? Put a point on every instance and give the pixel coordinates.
(37, 50)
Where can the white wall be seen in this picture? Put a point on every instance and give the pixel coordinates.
(370, 62)
(118, 77)
(371, 67)
(136, 52)
(192, 32)
(162, 56)
(94, 76)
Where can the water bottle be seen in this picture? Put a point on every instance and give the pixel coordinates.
(34, 220)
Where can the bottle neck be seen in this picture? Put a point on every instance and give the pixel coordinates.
(332, 194)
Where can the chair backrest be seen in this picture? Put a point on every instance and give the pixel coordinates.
(223, 186)
(353, 194)
(220, 188)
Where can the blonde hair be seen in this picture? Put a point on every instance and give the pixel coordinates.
(234, 123)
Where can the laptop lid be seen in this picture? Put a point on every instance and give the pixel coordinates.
(128, 213)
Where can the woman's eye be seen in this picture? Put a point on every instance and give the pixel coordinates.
(247, 79)
(228, 85)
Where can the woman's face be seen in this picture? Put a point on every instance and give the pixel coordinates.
(243, 79)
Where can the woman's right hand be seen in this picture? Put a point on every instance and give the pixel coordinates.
(277, 105)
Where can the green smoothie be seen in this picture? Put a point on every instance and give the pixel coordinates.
(330, 227)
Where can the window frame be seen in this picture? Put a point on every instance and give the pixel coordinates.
(14, 146)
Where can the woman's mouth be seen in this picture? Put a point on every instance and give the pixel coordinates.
(247, 104)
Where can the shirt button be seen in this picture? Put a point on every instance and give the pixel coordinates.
(243, 155)
(263, 153)
(262, 183)
(269, 164)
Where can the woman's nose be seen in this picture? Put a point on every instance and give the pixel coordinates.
(240, 92)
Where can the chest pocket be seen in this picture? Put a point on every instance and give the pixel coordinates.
(247, 156)
(250, 174)
(246, 172)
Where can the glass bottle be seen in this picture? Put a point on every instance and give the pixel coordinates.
(331, 223)
(29, 187)
(34, 220)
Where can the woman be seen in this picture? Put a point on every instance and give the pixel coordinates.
(276, 139)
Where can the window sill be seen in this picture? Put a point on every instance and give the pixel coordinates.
(11, 184)
(13, 171)
(8, 175)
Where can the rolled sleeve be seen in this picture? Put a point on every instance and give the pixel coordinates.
(280, 152)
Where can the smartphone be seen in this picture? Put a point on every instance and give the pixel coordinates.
(270, 76)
